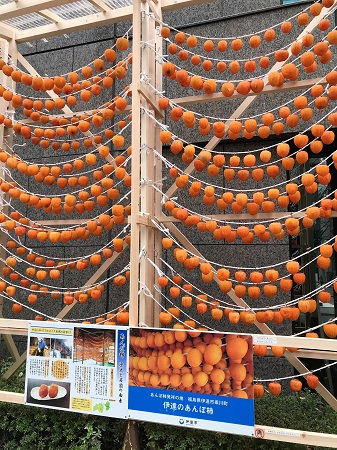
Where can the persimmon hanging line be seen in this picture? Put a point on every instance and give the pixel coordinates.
(236, 267)
(219, 187)
(249, 308)
(57, 319)
(295, 376)
(60, 288)
(229, 37)
(75, 70)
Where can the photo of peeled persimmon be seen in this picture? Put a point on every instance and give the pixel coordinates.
(43, 391)
(48, 393)
(52, 392)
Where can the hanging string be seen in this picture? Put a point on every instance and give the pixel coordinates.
(273, 186)
(252, 58)
(22, 188)
(296, 376)
(250, 222)
(148, 293)
(168, 234)
(57, 319)
(229, 119)
(232, 37)
(62, 289)
(71, 260)
(249, 308)
(67, 73)
(161, 58)
(164, 128)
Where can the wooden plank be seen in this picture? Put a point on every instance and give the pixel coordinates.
(308, 438)
(150, 99)
(14, 326)
(4, 47)
(147, 138)
(15, 366)
(50, 16)
(93, 20)
(158, 76)
(6, 31)
(326, 346)
(12, 397)
(11, 346)
(100, 5)
(170, 5)
(312, 354)
(155, 10)
(10, 48)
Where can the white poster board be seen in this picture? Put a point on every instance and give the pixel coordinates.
(78, 368)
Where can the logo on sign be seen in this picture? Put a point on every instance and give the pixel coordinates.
(181, 421)
(259, 433)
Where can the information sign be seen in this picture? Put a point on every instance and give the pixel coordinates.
(78, 368)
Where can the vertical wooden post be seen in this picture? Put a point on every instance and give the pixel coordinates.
(145, 135)
(10, 52)
(131, 437)
(4, 47)
(135, 166)
(158, 167)
(147, 173)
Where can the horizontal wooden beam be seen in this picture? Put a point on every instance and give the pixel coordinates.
(86, 22)
(312, 354)
(308, 438)
(12, 397)
(22, 7)
(20, 326)
(14, 326)
(170, 5)
(70, 26)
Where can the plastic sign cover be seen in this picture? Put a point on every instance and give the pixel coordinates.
(192, 379)
(78, 368)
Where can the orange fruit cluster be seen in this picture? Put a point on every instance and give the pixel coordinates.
(192, 361)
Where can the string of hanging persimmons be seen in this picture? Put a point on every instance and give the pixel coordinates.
(88, 179)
